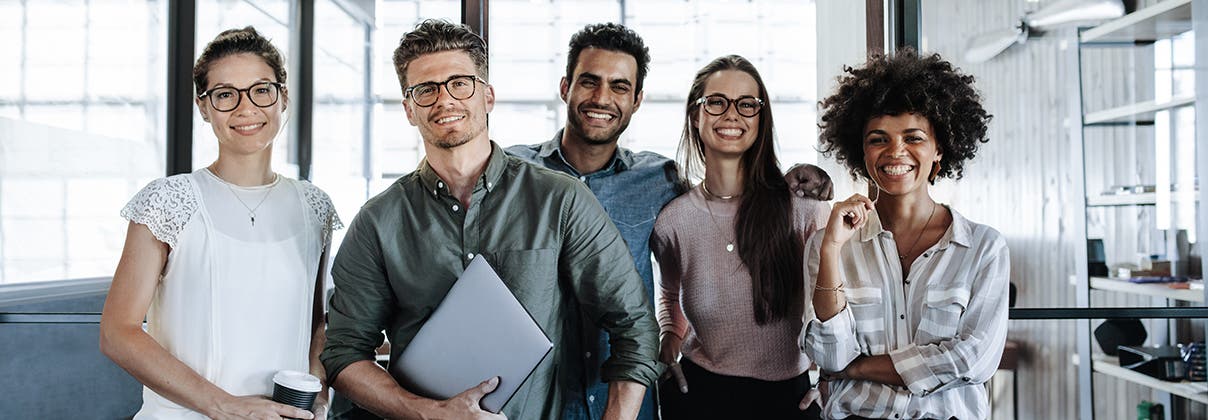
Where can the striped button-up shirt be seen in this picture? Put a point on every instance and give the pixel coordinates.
(943, 326)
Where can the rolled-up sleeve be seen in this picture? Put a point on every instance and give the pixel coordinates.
(832, 345)
(973, 355)
(597, 263)
(362, 301)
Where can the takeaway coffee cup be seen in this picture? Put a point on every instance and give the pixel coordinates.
(295, 388)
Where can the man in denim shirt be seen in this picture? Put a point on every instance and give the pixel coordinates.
(605, 69)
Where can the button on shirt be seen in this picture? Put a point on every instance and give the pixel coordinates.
(944, 326)
(546, 236)
(633, 187)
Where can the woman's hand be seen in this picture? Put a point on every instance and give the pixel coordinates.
(669, 352)
(846, 218)
(256, 407)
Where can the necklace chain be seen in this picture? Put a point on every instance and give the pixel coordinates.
(719, 197)
(251, 211)
(729, 242)
(910, 250)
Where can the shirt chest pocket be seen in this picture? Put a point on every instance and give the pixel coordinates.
(942, 313)
(532, 276)
(868, 313)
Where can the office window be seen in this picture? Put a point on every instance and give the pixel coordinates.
(81, 130)
(529, 42)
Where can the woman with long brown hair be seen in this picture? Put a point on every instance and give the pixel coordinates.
(730, 254)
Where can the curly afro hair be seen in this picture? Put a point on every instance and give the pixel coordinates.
(901, 84)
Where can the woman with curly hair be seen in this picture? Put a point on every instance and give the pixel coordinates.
(730, 255)
(910, 297)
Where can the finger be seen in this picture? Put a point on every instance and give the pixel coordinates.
(292, 412)
(810, 397)
(484, 388)
(678, 372)
(830, 191)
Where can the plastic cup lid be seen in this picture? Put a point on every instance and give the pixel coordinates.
(300, 381)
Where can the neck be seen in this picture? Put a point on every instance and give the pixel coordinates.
(460, 167)
(586, 157)
(904, 211)
(244, 170)
(723, 177)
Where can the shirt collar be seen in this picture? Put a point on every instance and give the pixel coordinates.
(622, 159)
(489, 179)
(958, 233)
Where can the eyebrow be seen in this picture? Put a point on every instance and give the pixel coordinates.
(258, 81)
(595, 78)
(883, 132)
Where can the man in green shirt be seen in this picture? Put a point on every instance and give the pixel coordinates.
(542, 231)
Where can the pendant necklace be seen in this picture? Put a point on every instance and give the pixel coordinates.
(729, 243)
(920, 235)
(251, 211)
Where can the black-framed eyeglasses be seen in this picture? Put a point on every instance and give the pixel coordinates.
(747, 106)
(226, 98)
(459, 87)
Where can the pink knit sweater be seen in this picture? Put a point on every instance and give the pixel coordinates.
(706, 291)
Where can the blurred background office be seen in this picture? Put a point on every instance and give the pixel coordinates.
(96, 100)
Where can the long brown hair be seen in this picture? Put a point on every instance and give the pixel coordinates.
(767, 246)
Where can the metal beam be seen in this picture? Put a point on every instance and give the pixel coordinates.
(874, 26)
(303, 95)
(474, 15)
(181, 34)
(1183, 312)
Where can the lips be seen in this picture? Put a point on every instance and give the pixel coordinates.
(896, 169)
(247, 129)
(448, 118)
(729, 132)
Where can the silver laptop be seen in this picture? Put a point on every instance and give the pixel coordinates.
(478, 331)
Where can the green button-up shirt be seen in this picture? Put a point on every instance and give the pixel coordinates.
(544, 233)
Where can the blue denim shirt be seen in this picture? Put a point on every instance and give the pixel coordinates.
(633, 188)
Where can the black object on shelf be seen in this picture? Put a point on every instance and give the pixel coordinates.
(1114, 333)
(1096, 258)
(1163, 362)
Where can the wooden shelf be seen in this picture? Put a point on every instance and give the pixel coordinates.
(1162, 20)
(1147, 289)
(1141, 111)
(1110, 366)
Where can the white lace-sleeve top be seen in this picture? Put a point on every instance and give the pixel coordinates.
(235, 298)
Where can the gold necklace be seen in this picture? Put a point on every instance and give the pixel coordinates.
(730, 242)
(910, 250)
(251, 211)
(719, 197)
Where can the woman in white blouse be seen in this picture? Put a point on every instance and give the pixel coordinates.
(225, 263)
(910, 297)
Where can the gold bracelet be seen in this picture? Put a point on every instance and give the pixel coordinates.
(829, 289)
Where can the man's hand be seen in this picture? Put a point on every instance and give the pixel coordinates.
(466, 404)
(807, 180)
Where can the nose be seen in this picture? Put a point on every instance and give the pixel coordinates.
(245, 102)
(897, 147)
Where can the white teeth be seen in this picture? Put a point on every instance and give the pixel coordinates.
(731, 132)
(896, 169)
(598, 115)
(450, 119)
(248, 127)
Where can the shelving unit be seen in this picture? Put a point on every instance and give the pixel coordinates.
(1110, 366)
(1158, 21)
(1147, 289)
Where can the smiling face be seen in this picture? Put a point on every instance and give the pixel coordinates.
(900, 152)
(449, 122)
(602, 97)
(728, 134)
(248, 128)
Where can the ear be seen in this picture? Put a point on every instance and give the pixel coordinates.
(201, 108)
(637, 101)
(564, 88)
(490, 98)
(935, 171)
(284, 98)
(410, 112)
